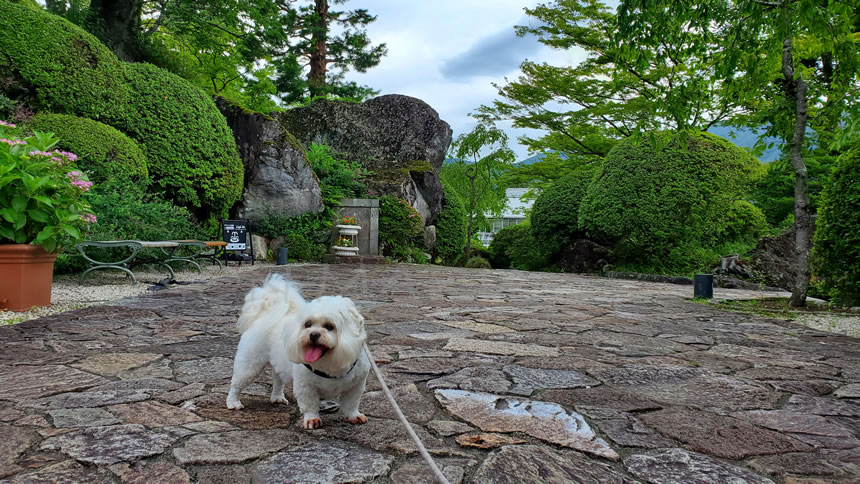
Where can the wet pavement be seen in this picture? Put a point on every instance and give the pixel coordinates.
(507, 376)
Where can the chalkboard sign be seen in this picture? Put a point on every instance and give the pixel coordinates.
(236, 234)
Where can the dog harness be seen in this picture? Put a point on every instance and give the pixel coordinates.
(326, 375)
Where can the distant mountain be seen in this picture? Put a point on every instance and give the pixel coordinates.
(744, 137)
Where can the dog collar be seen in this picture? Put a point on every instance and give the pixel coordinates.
(326, 375)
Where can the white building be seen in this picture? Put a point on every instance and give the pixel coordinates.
(514, 213)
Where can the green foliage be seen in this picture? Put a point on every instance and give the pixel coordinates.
(42, 195)
(555, 214)
(515, 247)
(338, 179)
(524, 251)
(480, 158)
(774, 192)
(666, 191)
(744, 223)
(478, 263)
(451, 226)
(113, 161)
(400, 227)
(837, 235)
(190, 151)
(478, 250)
(122, 218)
(301, 248)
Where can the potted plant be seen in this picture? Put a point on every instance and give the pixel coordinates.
(345, 245)
(42, 199)
(348, 225)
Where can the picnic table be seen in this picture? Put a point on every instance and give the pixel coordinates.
(183, 251)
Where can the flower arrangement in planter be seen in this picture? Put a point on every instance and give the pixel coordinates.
(42, 198)
(345, 242)
(348, 220)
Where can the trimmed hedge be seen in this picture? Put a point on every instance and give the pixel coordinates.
(451, 226)
(113, 161)
(837, 234)
(555, 214)
(664, 191)
(400, 227)
(190, 149)
(192, 156)
(478, 263)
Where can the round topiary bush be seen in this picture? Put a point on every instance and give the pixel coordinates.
(515, 247)
(190, 151)
(664, 191)
(555, 214)
(113, 161)
(478, 263)
(745, 222)
(62, 67)
(837, 233)
(451, 226)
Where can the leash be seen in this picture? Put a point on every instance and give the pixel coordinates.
(441, 477)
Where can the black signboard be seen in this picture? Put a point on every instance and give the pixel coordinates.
(236, 234)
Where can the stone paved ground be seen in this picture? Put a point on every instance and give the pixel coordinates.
(508, 376)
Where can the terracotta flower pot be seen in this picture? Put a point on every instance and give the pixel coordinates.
(26, 273)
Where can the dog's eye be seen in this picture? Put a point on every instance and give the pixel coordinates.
(308, 324)
(328, 327)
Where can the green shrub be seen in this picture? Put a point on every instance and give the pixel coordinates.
(744, 222)
(400, 227)
(417, 256)
(112, 161)
(478, 263)
(774, 192)
(502, 241)
(300, 247)
(121, 217)
(555, 214)
(451, 226)
(837, 234)
(338, 179)
(477, 250)
(665, 191)
(190, 151)
(524, 251)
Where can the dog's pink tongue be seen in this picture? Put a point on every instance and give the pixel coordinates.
(313, 353)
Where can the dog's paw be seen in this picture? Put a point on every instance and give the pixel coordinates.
(280, 399)
(235, 405)
(313, 423)
(358, 419)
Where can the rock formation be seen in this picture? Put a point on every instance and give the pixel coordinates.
(399, 138)
(278, 178)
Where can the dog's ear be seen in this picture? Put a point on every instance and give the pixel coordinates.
(357, 319)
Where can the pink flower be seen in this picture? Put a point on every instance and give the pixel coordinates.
(8, 125)
(41, 153)
(82, 184)
(74, 174)
(67, 155)
(89, 218)
(12, 142)
(411, 215)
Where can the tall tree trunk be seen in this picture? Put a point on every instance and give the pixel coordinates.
(117, 23)
(796, 89)
(319, 65)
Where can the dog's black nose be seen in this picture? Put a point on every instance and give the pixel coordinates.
(314, 337)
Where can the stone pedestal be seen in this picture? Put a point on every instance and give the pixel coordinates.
(366, 213)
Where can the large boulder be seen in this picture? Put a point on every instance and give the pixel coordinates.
(278, 178)
(773, 259)
(399, 138)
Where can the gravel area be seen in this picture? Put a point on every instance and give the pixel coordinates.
(102, 287)
(834, 323)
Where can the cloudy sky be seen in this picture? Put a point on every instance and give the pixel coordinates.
(449, 52)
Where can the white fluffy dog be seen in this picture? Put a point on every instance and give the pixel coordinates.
(315, 344)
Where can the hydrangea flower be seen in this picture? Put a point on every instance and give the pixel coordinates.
(89, 218)
(8, 125)
(82, 184)
(40, 153)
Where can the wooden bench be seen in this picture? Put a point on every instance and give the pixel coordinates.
(171, 251)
